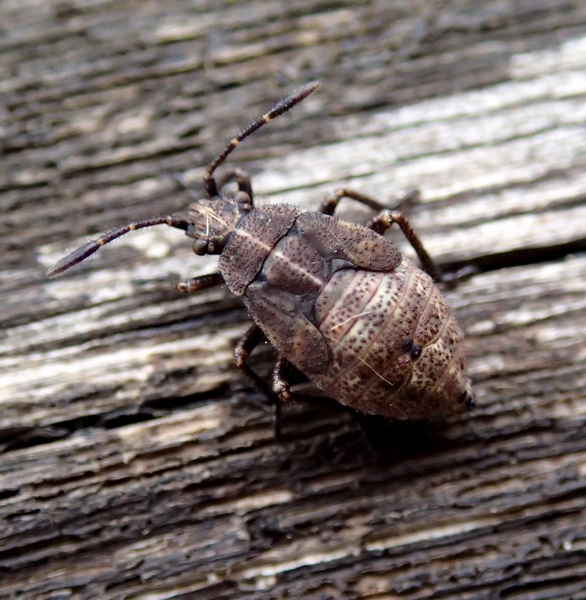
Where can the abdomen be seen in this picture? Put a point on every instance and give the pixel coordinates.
(396, 350)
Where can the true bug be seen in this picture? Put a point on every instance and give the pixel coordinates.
(336, 299)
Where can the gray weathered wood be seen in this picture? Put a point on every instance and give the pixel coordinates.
(138, 462)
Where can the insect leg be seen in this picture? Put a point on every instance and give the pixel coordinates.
(241, 177)
(384, 220)
(328, 206)
(200, 283)
(244, 347)
(381, 222)
(281, 385)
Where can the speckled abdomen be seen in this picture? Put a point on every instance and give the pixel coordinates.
(396, 350)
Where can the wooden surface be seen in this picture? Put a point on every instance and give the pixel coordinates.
(138, 462)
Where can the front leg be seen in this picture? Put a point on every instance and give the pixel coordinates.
(200, 283)
(242, 179)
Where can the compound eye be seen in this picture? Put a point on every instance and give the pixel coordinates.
(200, 247)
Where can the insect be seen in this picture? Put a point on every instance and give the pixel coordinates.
(336, 299)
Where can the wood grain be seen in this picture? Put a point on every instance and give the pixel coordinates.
(138, 462)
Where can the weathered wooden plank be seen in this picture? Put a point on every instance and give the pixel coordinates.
(137, 460)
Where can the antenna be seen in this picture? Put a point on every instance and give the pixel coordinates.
(279, 108)
(94, 245)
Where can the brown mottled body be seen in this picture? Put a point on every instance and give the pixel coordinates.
(341, 303)
(397, 351)
(336, 299)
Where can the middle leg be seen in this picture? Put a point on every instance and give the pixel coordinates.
(386, 217)
(245, 346)
(281, 385)
(329, 205)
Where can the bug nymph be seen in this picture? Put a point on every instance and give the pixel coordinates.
(336, 299)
